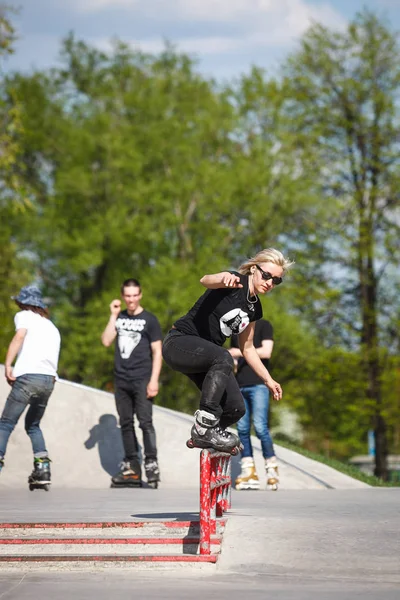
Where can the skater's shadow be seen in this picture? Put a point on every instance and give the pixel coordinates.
(107, 435)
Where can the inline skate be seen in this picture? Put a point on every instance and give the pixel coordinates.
(206, 433)
(271, 469)
(248, 478)
(129, 475)
(40, 478)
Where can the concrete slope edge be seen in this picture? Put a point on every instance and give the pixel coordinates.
(86, 417)
(329, 477)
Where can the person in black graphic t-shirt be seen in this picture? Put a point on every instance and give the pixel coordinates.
(137, 367)
(194, 344)
(256, 399)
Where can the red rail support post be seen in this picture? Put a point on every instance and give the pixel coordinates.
(215, 493)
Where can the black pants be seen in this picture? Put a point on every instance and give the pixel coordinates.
(210, 367)
(131, 399)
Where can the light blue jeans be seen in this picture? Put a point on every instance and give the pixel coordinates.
(34, 390)
(256, 399)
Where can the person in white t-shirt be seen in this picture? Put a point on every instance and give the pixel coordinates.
(36, 346)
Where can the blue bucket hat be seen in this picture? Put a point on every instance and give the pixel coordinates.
(30, 295)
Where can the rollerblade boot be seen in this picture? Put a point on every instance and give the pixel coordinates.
(40, 478)
(206, 433)
(152, 472)
(248, 478)
(271, 469)
(130, 475)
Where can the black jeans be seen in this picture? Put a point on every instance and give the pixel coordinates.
(210, 367)
(131, 399)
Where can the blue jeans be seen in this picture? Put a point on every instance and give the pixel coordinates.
(34, 390)
(256, 399)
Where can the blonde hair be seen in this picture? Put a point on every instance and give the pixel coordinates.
(267, 255)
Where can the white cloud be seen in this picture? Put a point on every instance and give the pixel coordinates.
(225, 34)
(297, 13)
(269, 24)
(97, 5)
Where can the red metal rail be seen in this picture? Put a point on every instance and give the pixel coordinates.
(215, 493)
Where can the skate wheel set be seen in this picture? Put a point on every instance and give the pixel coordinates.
(130, 484)
(137, 484)
(38, 486)
(191, 444)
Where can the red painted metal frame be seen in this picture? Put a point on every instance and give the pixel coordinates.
(99, 525)
(105, 541)
(215, 493)
(185, 558)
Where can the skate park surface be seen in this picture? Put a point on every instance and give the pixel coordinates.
(322, 535)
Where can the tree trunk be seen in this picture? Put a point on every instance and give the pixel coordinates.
(368, 285)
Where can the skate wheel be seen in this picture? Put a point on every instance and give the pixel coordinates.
(153, 484)
(190, 443)
(46, 487)
(273, 487)
(31, 487)
(235, 451)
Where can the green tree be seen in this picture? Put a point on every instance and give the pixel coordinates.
(125, 154)
(137, 165)
(141, 166)
(344, 95)
(13, 193)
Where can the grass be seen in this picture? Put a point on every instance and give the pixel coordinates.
(345, 468)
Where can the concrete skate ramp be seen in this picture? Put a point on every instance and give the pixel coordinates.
(84, 442)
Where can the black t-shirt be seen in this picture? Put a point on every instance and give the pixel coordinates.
(133, 356)
(245, 374)
(220, 313)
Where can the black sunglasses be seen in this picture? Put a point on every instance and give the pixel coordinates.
(266, 276)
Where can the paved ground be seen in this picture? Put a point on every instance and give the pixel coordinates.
(325, 544)
(322, 535)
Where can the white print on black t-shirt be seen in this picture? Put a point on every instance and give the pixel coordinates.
(128, 336)
(127, 342)
(130, 325)
(234, 322)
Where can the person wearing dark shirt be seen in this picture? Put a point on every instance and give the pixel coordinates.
(256, 399)
(194, 344)
(137, 367)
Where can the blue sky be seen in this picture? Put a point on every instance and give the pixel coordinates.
(226, 36)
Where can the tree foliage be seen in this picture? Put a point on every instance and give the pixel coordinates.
(13, 196)
(136, 165)
(352, 81)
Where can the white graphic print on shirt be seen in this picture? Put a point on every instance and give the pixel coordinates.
(234, 322)
(128, 339)
(127, 342)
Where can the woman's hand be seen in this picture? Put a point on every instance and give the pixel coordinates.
(221, 280)
(230, 280)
